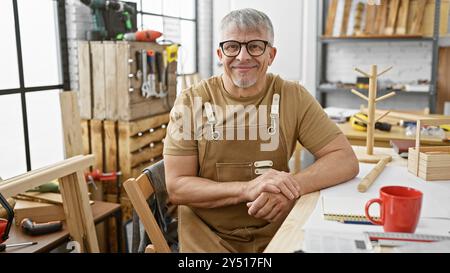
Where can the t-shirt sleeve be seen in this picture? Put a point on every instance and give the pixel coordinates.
(180, 138)
(315, 128)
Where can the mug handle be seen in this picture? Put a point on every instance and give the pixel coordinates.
(368, 204)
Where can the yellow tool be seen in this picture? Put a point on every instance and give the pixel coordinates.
(360, 126)
(445, 127)
(172, 53)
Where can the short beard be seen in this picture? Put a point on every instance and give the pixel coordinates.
(243, 83)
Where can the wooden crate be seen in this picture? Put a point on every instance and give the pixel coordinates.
(109, 87)
(429, 163)
(141, 143)
(126, 146)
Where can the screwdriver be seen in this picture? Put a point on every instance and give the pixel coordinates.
(4, 246)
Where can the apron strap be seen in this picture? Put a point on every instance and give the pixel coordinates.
(274, 114)
(211, 120)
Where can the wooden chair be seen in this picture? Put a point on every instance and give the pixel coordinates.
(139, 190)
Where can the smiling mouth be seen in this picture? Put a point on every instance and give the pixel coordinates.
(243, 68)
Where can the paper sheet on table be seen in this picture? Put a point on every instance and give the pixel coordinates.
(435, 215)
(436, 194)
(431, 226)
(322, 241)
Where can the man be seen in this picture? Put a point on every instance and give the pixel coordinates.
(234, 193)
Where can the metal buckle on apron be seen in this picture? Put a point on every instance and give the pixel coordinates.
(274, 112)
(211, 120)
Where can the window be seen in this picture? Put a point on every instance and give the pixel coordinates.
(177, 20)
(30, 81)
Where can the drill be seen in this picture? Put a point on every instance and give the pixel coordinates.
(99, 32)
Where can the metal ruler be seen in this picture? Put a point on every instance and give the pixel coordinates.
(399, 239)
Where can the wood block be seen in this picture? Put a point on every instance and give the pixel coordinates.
(38, 212)
(402, 17)
(331, 16)
(73, 144)
(392, 18)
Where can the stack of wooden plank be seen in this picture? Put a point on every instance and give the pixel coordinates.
(125, 146)
(429, 163)
(434, 162)
(357, 18)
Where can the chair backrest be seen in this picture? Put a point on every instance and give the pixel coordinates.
(139, 190)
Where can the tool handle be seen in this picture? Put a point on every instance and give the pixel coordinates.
(33, 228)
(372, 175)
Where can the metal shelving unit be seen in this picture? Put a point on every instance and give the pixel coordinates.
(323, 42)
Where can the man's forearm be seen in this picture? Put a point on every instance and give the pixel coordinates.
(332, 169)
(205, 193)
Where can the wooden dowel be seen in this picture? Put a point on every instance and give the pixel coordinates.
(385, 96)
(372, 175)
(359, 94)
(362, 72)
(382, 116)
(384, 71)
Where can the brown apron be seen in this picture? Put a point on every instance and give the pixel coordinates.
(230, 228)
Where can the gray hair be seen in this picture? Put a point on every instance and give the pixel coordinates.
(248, 19)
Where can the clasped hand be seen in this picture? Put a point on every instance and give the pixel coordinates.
(273, 194)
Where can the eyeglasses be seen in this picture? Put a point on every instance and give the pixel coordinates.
(255, 48)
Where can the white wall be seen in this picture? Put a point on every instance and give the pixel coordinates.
(295, 35)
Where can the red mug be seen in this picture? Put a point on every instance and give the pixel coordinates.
(400, 209)
(3, 224)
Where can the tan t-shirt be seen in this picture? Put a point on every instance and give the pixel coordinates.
(301, 116)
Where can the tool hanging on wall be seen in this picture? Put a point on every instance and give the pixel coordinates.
(100, 32)
(147, 35)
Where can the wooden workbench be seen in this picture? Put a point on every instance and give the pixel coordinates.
(382, 139)
(100, 210)
(290, 234)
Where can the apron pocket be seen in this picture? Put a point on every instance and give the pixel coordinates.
(232, 172)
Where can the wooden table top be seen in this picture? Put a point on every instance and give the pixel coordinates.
(47, 242)
(290, 234)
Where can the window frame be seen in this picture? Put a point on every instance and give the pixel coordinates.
(22, 90)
